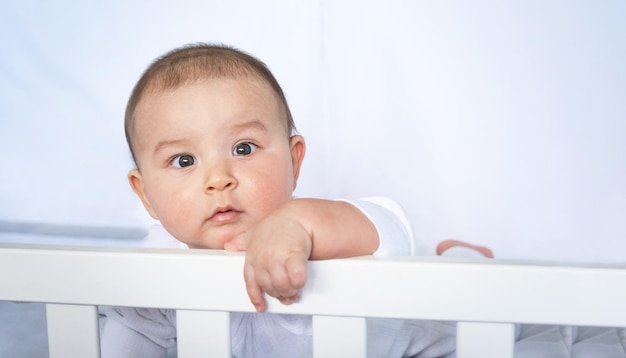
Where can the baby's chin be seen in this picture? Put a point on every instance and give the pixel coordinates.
(215, 241)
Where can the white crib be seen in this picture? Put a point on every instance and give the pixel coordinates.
(485, 297)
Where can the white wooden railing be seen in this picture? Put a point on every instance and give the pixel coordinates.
(485, 297)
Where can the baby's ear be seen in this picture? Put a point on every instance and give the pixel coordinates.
(297, 147)
(135, 180)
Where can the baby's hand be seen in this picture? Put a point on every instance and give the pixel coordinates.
(277, 250)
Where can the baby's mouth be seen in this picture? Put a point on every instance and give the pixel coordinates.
(225, 215)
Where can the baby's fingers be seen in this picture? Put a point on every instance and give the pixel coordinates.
(281, 286)
(254, 290)
(237, 244)
(288, 280)
(296, 270)
(289, 300)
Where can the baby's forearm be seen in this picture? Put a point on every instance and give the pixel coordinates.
(337, 229)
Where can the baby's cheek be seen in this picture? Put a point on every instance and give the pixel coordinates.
(270, 203)
(176, 222)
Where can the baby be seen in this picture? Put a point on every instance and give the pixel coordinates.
(217, 160)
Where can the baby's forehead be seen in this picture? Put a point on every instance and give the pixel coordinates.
(256, 85)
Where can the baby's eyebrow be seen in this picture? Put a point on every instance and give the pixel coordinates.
(253, 124)
(166, 143)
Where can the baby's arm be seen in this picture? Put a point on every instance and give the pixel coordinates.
(279, 246)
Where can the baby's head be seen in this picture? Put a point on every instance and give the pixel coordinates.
(213, 140)
(195, 62)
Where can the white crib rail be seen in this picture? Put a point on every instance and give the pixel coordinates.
(484, 296)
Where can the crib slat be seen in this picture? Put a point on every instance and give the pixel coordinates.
(203, 334)
(339, 337)
(485, 340)
(73, 331)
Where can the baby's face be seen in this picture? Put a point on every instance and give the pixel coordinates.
(215, 158)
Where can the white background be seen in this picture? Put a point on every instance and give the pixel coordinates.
(500, 123)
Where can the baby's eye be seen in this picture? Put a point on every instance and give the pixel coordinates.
(245, 148)
(182, 161)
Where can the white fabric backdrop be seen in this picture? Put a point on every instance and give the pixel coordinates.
(494, 122)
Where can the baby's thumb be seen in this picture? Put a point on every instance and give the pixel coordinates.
(238, 243)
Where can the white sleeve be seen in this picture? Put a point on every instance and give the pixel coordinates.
(137, 332)
(394, 231)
